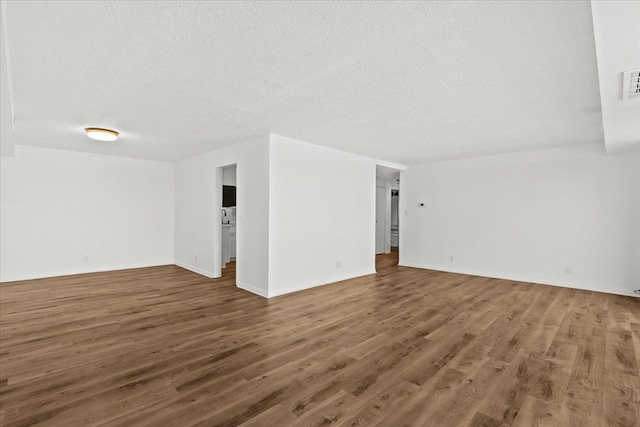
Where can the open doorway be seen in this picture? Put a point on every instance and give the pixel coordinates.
(387, 216)
(228, 252)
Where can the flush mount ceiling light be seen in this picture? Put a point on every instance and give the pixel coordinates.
(102, 134)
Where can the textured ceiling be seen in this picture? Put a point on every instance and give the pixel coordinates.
(403, 82)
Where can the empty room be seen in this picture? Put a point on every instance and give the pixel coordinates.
(298, 213)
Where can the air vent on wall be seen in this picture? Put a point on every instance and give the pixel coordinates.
(631, 84)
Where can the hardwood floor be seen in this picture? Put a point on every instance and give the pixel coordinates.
(388, 260)
(166, 347)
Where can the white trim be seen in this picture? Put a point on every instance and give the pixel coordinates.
(7, 56)
(23, 277)
(252, 289)
(391, 165)
(614, 291)
(323, 284)
(198, 270)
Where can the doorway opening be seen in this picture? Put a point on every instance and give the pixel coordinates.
(387, 217)
(228, 223)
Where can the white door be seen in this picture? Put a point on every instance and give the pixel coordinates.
(226, 255)
(381, 201)
(232, 243)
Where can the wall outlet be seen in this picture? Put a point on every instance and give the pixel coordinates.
(567, 270)
(338, 264)
(86, 258)
(451, 259)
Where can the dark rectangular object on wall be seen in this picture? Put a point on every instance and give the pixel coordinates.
(228, 196)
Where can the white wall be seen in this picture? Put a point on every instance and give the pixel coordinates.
(322, 211)
(229, 176)
(58, 206)
(528, 215)
(635, 232)
(7, 146)
(616, 30)
(295, 220)
(198, 212)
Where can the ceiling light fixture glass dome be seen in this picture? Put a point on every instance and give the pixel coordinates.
(102, 134)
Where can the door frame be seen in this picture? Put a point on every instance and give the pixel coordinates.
(217, 217)
(384, 221)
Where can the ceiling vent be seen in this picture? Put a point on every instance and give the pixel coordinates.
(631, 84)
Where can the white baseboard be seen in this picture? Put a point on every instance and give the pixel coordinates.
(311, 286)
(606, 290)
(252, 289)
(74, 272)
(198, 270)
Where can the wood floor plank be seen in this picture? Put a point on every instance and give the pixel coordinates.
(332, 410)
(163, 346)
(620, 351)
(277, 415)
(542, 413)
(375, 406)
(622, 400)
(586, 385)
(504, 399)
(482, 420)
(468, 398)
